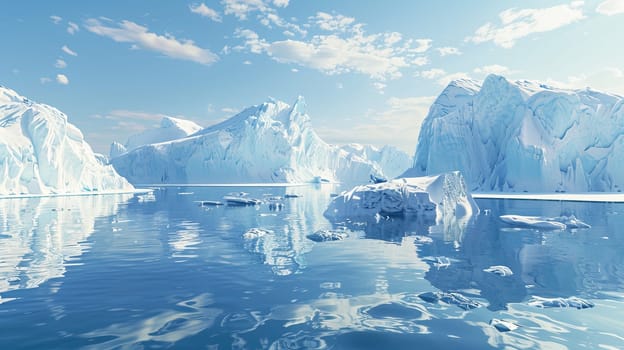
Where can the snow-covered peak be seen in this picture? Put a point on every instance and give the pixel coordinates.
(42, 153)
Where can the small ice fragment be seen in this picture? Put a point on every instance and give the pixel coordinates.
(561, 302)
(256, 233)
(503, 326)
(500, 270)
(327, 235)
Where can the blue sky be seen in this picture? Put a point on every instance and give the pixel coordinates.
(368, 69)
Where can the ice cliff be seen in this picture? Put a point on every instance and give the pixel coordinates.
(42, 153)
(524, 136)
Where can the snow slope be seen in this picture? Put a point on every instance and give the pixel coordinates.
(42, 153)
(392, 161)
(524, 136)
(169, 129)
(271, 142)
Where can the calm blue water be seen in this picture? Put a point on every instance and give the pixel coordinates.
(109, 272)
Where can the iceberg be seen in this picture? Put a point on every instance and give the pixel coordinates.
(169, 129)
(327, 235)
(41, 153)
(450, 298)
(268, 143)
(524, 136)
(440, 197)
(575, 302)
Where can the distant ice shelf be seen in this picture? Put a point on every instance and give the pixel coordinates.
(572, 197)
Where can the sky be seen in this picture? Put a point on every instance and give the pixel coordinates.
(368, 70)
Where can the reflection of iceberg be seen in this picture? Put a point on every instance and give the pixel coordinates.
(41, 236)
(284, 248)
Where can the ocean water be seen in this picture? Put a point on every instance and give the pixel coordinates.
(161, 271)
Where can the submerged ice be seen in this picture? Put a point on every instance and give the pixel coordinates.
(542, 222)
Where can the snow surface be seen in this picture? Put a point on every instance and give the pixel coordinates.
(271, 142)
(524, 136)
(42, 153)
(441, 196)
(169, 129)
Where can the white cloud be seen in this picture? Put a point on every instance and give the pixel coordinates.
(398, 125)
(423, 45)
(247, 62)
(294, 70)
(380, 87)
(280, 3)
(44, 80)
(62, 79)
(56, 19)
(339, 86)
(241, 8)
(332, 23)
(433, 73)
(447, 51)
(271, 18)
(229, 110)
(611, 7)
(347, 49)
(519, 23)
(205, 11)
(60, 64)
(68, 51)
(492, 69)
(72, 28)
(130, 32)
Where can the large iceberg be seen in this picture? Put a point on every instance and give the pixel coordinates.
(441, 197)
(524, 136)
(169, 129)
(42, 153)
(271, 142)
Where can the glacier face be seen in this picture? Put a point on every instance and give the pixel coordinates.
(271, 142)
(524, 136)
(42, 153)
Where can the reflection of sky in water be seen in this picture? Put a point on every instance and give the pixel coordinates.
(108, 272)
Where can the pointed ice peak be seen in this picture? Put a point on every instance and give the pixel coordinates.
(10, 96)
(300, 106)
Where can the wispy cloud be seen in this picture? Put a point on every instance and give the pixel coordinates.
(433, 73)
(280, 3)
(72, 28)
(241, 8)
(398, 125)
(68, 51)
(130, 32)
(492, 69)
(44, 80)
(347, 48)
(519, 23)
(62, 79)
(136, 115)
(611, 7)
(448, 51)
(205, 11)
(60, 64)
(56, 19)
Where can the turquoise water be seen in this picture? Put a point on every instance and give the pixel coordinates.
(141, 272)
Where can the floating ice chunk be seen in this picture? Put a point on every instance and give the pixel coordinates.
(422, 240)
(561, 302)
(546, 223)
(327, 235)
(503, 325)
(451, 299)
(500, 270)
(439, 261)
(256, 233)
(442, 196)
